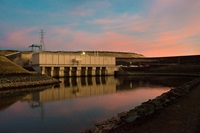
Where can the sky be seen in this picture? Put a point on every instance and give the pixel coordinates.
(152, 28)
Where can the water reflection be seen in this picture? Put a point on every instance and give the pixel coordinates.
(78, 103)
(70, 88)
(131, 82)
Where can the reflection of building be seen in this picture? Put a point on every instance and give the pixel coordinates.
(62, 64)
(76, 87)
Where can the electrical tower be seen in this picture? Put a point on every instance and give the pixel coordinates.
(42, 40)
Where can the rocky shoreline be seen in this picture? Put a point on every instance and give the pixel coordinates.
(11, 84)
(145, 111)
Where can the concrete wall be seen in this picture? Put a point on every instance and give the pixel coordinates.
(64, 59)
(26, 58)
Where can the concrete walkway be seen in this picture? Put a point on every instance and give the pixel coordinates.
(181, 117)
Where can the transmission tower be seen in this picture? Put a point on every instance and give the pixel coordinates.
(42, 40)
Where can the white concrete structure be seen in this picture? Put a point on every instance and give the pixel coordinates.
(63, 64)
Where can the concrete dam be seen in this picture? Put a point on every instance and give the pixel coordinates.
(62, 64)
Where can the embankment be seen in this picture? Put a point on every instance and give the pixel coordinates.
(145, 111)
(13, 77)
(9, 84)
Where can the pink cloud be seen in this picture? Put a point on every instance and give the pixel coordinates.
(172, 50)
(114, 41)
(101, 21)
(109, 41)
(168, 25)
(19, 38)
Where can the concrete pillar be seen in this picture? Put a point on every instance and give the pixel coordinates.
(69, 72)
(61, 72)
(52, 71)
(93, 71)
(100, 71)
(78, 71)
(43, 70)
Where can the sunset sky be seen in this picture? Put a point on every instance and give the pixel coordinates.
(148, 27)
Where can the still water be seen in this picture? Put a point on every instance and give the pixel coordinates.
(78, 103)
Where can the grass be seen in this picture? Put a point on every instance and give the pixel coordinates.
(5, 52)
(8, 67)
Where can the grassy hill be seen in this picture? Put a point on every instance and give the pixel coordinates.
(101, 53)
(5, 52)
(8, 67)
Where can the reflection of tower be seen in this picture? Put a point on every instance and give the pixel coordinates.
(36, 104)
(42, 40)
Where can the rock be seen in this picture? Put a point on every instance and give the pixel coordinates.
(122, 114)
(132, 117)
(95, 130)
(109, 127)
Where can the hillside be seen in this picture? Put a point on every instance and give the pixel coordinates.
(5, 52)
(101, 53)
(8, 67)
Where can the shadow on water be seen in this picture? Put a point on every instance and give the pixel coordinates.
(8, 101)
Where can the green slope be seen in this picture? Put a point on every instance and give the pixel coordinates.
(8, 67)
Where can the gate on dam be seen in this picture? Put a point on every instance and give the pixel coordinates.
(63, 64)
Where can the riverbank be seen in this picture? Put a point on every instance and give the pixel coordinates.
(11, 82)
(183, 116)
(140, 119)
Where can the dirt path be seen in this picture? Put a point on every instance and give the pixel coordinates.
(180, 117)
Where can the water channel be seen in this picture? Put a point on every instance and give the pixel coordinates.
(78, 103)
